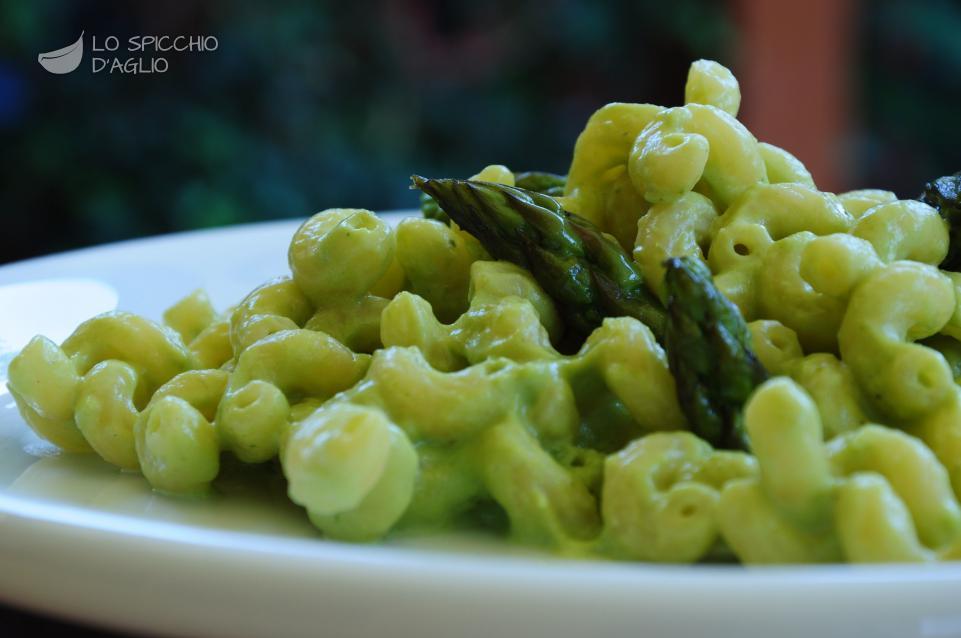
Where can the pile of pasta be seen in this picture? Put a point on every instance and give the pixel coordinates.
(404, 380)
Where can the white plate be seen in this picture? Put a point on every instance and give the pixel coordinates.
(84, 541)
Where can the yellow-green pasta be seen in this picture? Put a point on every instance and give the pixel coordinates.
(784, 295)
(834, 264)
(491, 281)
(406, 381)
(191, 315)
(653, 507)
(940, 430)
(785, 515)
(761, 216)
(904, 230)
(735, 258)
(447, 486)
(212, 347)
(782, 167)
(105, 412)
(545, 503)
(496, 173)
(46, 380)
(44, 383)
(785, 209)
(830, 384)
(775, 345)
(177, 448)
(859, 202)
(277, 305)
(340, 253)
(506, 318)
(510, 328)
(352, 469)
(410, 379)
(711, 83)
(408, 320)
(681, 228)
(950, 349)
(725, 466)
(337, 257)
(252, 420)
(598, 185)
(274, 372)
(634, 368)
(666, 161)
(156, 352)
(894, 306)
(953, 327)
(734, 163)
(437, 261)
(874, 526)
(911, 470)
(174, 439)
(302, 363)
(202, 389)
(353, 322)
(786, 436)
(391, 282)
(758, 534)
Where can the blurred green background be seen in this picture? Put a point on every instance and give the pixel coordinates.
(309, 105)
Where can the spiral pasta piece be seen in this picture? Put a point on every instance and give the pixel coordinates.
(888, 311)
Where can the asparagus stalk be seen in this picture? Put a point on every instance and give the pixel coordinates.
(590, 277)
(541, 182)
(709, 353)
(586, 272)
(944, 194)
(537, 181)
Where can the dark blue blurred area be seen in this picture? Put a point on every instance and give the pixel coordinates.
(308, 105)
(909, 104)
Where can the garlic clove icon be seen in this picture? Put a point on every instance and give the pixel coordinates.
(63, 60)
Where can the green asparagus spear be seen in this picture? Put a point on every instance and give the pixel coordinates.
(944, 194)
(541, 182)
(709, 352)
(537, 181)
(586, 272)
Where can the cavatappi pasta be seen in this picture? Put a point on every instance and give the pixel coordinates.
(404, 379)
